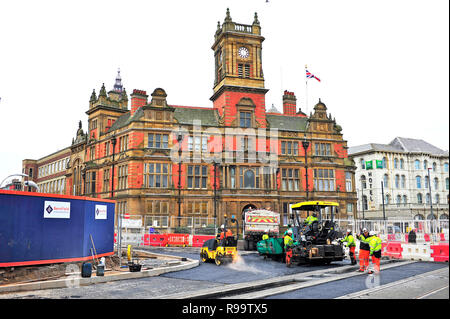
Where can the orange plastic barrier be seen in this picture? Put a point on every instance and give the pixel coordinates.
(391, 237)
(146, 240)
(199, 240)
(159, 240)
(440, 252)
(393, 250)
(177, 240)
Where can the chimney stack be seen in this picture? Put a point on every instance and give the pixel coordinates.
(289, 103)
(138, 99)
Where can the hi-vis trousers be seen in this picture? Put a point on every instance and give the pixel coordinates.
(364, 259)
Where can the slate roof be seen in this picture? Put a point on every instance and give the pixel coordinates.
(399, 145)
(187, 115)
(210, 117)
(417, 146)
(287, 123)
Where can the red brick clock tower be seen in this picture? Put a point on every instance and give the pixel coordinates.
(239, 93)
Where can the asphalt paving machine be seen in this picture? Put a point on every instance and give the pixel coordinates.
(315, 242)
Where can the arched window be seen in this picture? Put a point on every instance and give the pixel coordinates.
(426, 182)
(397, 181)
(434, 166)
(436, 183)
(436, 199)
(405, 200)
(363, 165)
(418, 182)
(446, 167)
(385, 180)
(419, 198)
(402, 163)
(443, 216)
(387, 199)
(76, 177)
(249, 179)
(446, 184)
(425, 164)
(431, 216)
(427, 198)
(398, 200)
(418, 217)
(395, 162)
(417, 164)
(403, 181)
(384, 161)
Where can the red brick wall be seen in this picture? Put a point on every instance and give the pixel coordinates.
(138, 99)
(340, 151)
(136, 139)
(228, 101)
(211, 173)
(340, 179)
(310, 178)
(175, 175)
(135, 175)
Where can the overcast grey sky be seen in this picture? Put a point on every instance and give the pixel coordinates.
(384, 65)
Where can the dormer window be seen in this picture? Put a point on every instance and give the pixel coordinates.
(245, 119)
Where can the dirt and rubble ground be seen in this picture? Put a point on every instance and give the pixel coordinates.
(26, 274)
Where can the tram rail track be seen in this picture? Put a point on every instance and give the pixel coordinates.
(268, 287)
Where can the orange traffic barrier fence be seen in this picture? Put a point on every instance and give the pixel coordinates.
(440, 252)
(393, 250)
(177, 240)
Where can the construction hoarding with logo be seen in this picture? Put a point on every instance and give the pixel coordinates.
(38, 228)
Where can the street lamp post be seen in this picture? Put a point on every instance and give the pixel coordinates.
(179, 139)
(382, 197)
(215, 193)
(431, 199)
(305, 145)
(362, 197)
(113, 141)
(20, 174)
(119, 215)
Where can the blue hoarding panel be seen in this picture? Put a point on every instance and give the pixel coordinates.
(44, 228)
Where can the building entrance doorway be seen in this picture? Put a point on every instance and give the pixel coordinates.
(246, 208)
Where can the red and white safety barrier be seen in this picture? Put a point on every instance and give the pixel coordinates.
(423, 252)
(185, 240)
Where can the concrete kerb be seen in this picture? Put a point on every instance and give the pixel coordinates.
(69, 282)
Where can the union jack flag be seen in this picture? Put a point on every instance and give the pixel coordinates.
(309, 75)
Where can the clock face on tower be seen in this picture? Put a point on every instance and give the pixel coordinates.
(243, 52)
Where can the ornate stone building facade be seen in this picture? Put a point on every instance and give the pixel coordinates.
(409, 177)
(159, 159)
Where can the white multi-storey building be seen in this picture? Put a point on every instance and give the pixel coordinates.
(412, 174)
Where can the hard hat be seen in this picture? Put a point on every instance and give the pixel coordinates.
(364, 230)
(290, 231)
(222, 226)
(349, 230)
(372, 233)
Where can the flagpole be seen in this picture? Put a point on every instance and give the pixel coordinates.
(306, 86)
